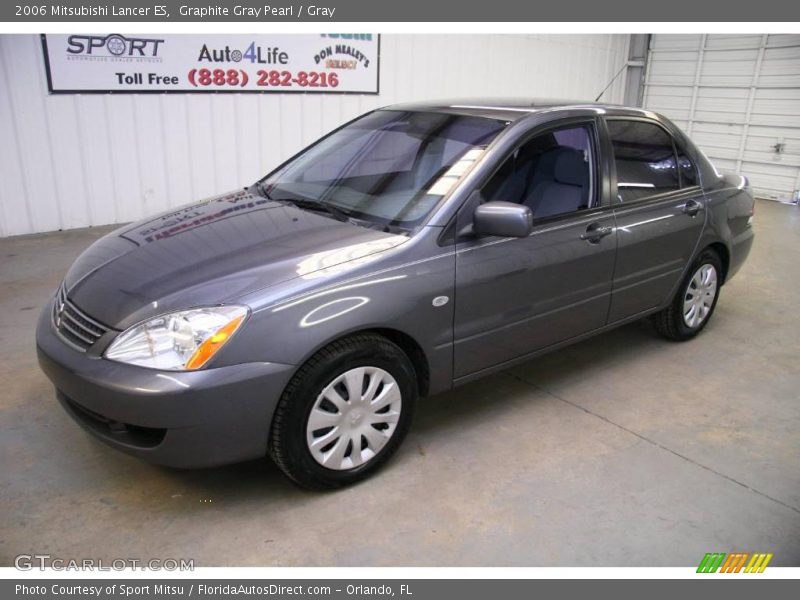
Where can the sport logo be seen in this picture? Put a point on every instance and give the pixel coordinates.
(114, 45)
(734, 563)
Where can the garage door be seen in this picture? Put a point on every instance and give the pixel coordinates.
(738, 97)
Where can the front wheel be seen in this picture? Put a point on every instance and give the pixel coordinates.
(694, 301)
(344, 413)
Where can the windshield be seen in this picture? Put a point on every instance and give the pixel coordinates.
(388, 168)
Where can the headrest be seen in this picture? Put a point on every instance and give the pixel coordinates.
(570, 167)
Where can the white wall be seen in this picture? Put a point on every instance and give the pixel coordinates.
(78, 160)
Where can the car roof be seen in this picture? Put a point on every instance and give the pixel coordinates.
(506, 109)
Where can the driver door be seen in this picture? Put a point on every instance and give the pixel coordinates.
(516, 296)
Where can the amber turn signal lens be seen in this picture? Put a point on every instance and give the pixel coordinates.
(213, 344)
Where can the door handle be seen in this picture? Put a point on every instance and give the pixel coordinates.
(595, 232)
(692, 207)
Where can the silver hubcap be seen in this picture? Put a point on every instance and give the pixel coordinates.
(353, 418)
(700, 295)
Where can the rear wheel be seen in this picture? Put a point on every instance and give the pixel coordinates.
(694, 301)
(344, 413)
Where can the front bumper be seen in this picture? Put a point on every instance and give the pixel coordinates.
(181, 419)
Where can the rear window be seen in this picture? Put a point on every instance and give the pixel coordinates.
(645, 159)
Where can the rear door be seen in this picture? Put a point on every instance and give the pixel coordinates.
(515, 296)
(660, 213)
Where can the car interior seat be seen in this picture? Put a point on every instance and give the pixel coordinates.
(559, 184)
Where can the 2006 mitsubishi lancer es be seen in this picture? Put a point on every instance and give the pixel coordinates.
(411, 250)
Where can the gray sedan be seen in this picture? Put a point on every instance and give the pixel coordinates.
(409, 251)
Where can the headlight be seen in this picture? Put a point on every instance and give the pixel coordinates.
(179, 341)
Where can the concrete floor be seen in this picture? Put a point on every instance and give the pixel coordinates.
(622, 450)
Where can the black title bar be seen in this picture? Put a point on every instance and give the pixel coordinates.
(730, 587)
(265, 11)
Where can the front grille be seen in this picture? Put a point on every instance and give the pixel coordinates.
(73, 325)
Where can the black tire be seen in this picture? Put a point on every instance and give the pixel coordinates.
(287, 443)
(670, 322)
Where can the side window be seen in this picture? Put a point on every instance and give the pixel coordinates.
(687, 169)
(645, 159)
(551, 173)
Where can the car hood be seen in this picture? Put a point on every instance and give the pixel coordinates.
(211, 252)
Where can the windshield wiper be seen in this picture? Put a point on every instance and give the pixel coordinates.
(305, 203)
(317, 206)
(339, 214)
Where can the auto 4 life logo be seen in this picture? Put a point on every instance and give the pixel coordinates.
(714, 562)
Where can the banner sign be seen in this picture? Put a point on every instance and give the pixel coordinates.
(163, 63)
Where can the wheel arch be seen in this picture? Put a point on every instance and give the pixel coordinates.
(414, 352)
(411, 347)
(724, 257)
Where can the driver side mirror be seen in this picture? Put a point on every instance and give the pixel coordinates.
(503, 219)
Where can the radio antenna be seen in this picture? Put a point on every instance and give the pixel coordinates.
(613, 79)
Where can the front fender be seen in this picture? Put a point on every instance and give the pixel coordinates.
(289, 325)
